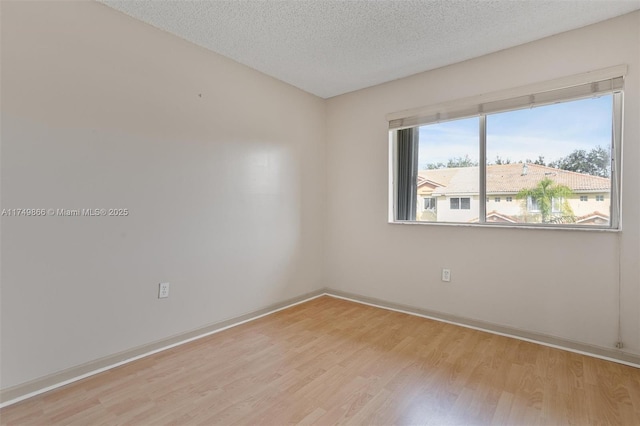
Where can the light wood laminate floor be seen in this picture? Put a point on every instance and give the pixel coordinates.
(330, 361)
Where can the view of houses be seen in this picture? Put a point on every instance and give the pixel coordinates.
(516, 193)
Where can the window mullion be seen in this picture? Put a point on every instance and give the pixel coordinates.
(616, 138)
(482, 206)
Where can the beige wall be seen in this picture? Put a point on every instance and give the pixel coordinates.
(225, 191)
(561, 283)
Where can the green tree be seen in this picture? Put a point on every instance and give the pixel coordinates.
(543, 194)
(461, 162)
(540, 160)
(452, 162)
(433, 166)
(500, 161)
(596, 162)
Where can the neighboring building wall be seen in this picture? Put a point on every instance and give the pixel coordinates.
(446, 214)
(514, 207)
(581, 208)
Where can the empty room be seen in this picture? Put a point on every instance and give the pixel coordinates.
(320, 212)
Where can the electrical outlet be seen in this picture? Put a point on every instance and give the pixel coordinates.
(163, 290)
(446, 275)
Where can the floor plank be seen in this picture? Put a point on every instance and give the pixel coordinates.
(330, 361)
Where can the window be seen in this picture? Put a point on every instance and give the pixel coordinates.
(460, 203)
(534, 151)
(532, 205)
(429, 203)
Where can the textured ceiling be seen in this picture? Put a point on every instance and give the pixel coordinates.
(332, 47)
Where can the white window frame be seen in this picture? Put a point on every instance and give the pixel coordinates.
(589, 84)
(431, 200)
(556, 205)
(459, 203)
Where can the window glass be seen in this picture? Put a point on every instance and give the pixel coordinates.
(545, 156)
(429, 203)
(448, 171)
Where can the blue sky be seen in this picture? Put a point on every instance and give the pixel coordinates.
(553, 131)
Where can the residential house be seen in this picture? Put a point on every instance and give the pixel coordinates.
(452, 195)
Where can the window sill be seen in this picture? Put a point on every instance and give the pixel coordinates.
(508, 226)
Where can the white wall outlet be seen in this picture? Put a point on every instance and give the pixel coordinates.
(163, 290)
(446, 275)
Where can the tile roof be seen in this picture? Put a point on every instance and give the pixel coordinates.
(592, 216)
(508, 178)
(422, 180)
(496, 216)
